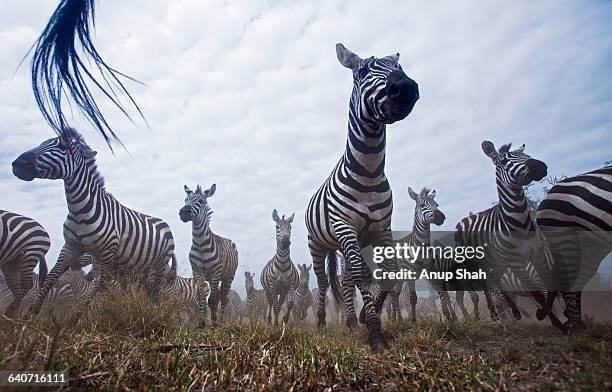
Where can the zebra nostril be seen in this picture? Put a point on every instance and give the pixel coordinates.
(393, 91)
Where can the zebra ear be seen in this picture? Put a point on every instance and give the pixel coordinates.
(489, 149)
(432, 194)
(187, 190)
(211, 191)
(290, 219)
(521, 148)
(87, 152)
(413, 195)
(393, 57)
(346, 57)
(275, 215)
(309, 267)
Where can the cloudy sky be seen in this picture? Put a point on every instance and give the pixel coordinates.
(250, 96)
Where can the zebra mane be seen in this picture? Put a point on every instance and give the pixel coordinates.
(505, 148)
(59, 69)
(70, 133)
(425, 192)
(208, 212)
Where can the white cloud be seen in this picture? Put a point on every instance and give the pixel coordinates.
(251, 97)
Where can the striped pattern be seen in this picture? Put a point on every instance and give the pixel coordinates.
(185, 291)
(279, 278)
(213, 258)
(303, 296)
(499, 226)
(356, 197)
(256, 302)
(120, 239)
(426, 212)
(576, 214)
(23, 244)
(234, 306)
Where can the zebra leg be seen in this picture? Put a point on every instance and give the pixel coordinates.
(201, 299)
(475, 301)
(290, 299)
(13, 281)
(318, 261)
(348, 294)
(278, 304)
(459, 294)
(413, 299)
(361, 274)
(271, 300)
(491, 304)
(66, 257)
(225, 288)
(447, 309)
(213, 299)
(573, 311)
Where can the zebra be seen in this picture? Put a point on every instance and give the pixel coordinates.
(234, 303)
(303, 296)
(353, 206)
(119, 239)
(185, 290)
(426, 212)
(575, 218)
(500, 225)
(213, 258)
(279, 278)
(256, 302)
(23, 244)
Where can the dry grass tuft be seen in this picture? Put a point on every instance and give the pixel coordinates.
(126, 342)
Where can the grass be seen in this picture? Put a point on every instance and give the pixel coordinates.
(126, 342)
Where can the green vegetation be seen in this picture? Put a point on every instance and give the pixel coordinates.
(128, 343)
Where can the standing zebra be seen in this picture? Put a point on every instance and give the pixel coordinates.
(303, 296)
(234, 304)
(355, 201)
(117, 237)
(213, 258)
(426, 212)
(256, 302)
(279, 278)
(23, 244)
(499, 226)
(576, 220)
(185, 291)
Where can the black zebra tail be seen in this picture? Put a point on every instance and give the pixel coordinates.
(332, 272)
(42, 270)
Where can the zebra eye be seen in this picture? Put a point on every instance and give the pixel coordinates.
(362, 73)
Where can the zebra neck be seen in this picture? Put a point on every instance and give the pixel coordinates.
(282, 258)
(80, 188)
(421, 232)
(365, 145)
(202, 237)
(513, 206)
(250, 291)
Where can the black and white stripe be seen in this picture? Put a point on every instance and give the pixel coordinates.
(279, 278)
(576, 219)
(121, 240)
(426, 212)
(499, 226)
(303, 296)
(185, 291)
(23, 244)
(256, 302)
(356, 198)
(234, 306)
(213, 258)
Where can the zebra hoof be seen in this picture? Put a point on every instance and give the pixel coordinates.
(351, 323)
(572, 327)
(377, 343)
(541, 314)
(321, 322)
